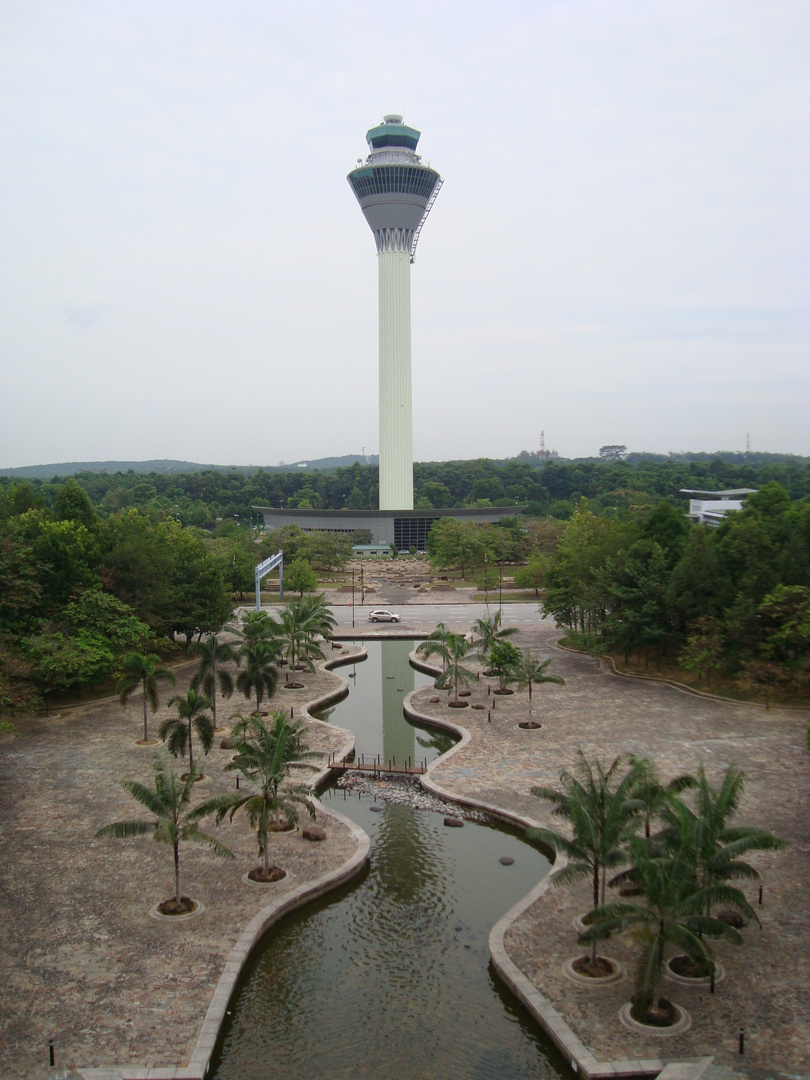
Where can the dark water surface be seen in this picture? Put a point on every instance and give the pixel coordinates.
(389, 977)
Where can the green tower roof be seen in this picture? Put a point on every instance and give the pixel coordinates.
(392, 132)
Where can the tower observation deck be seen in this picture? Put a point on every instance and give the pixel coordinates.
(395, 191)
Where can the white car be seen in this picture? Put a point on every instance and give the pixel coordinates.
(383, 615)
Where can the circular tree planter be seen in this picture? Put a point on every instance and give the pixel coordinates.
(503, 693)
(257, 876)
(680, 1020)
(680, 969)
(189, 909)
(458, 704)
(292, 686)
(607, 971)
(529, 725)
(146, 742)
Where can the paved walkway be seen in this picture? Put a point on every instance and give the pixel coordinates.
(766, 989)
(82, 962)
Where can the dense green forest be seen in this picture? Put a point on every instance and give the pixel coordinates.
(546, 486)
(96, 565)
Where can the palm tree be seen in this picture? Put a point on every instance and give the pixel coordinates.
(488, 632)
(653, 797)
(171, 823)
(453, 651)
(673, 913)
(213, 653)
(435, 644)
(191, 714)
(255, 625)
(531, 670)
(299, 625)
(600, 811)
(145, 672)
(261, 673)
(717, 846)
(264, 756)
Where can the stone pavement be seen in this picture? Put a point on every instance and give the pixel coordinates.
(766, 988)
(82, 962)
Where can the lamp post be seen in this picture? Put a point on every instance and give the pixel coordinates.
(352, 598)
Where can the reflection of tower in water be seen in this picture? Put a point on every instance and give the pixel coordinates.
(397, 681)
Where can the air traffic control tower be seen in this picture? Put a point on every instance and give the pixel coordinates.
(395, 191)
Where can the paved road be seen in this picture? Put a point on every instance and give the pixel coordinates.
(425, 617)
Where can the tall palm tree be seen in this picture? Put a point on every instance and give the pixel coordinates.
(598, 806)
(718, 847)
(260, 675)
(264, 755)
(255, 625)
(191, 714)
(673, 913)
(144, 672)
(530, 670)
(172, 822)
(213, 653)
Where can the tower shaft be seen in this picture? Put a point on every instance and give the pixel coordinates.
(396, 426)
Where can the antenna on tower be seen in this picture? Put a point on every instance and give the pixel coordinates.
(748, 443)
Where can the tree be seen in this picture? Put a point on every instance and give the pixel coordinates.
(488, 632)
(530, 670)
(703, 651)
(455, 543)
(504, 658)
(452, 651)
(298, 626)
(717, 847)
(191, 716)
(533, 575)
(672, 915)
(144, 672)
(300, 577)
(436, 644)
(171, 823)
(211, 675)
(260, 675)
(599, 808)
(264, 755)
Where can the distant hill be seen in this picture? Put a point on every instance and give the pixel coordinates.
(167, 466)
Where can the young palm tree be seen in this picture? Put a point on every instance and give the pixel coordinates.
(172, 822)
(191, 714)
(504, 658)
(653, 797)
(599, 808)
(530, 670)
(453, 651)
(144, 672)
(435, 644)
(488, 632)
(673, 913)
(211, 674)
(264, 755)
(260, 675)
(255, 626)
(297, 629)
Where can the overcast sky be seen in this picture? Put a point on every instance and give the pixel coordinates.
(619, 253)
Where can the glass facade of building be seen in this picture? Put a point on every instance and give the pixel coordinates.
(393, 179)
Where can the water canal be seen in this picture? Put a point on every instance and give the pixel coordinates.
(390, 976)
